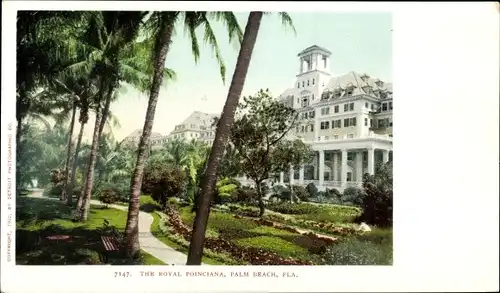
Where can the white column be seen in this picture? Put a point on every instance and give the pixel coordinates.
(282, 177)
(316, 125)
(335, 166)
(360, 125)
(291, 174)
(371, 161)
(321, 174)
(385, 156)
(343, 169)
(301, 174)
(359, 166)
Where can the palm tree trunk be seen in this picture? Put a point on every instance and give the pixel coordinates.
(68, 155)
(83, 205)
(69, 188)
(87, 191)
(262, 206)
(221, 136)
(131, 240)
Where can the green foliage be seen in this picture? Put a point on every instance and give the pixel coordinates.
(163, 181)
(333, 193)
(259, 136)
(109, 196)
(245, 195)
(293, 208)
(373, 248)
(312, 189)
(353, 195)
(377, 202)
(301, 192)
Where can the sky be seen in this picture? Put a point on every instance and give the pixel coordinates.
(360, 42)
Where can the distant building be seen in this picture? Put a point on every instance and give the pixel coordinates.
(198, 126)
(133, 139)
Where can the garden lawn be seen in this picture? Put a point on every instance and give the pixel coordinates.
(39, 218)
(247, 233)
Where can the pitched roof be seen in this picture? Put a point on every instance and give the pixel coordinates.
(313, 48)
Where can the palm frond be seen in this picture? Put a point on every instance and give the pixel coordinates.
(210, 39)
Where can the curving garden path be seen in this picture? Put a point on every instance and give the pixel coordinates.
(147, 240)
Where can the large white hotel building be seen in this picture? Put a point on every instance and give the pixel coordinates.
(346, 119)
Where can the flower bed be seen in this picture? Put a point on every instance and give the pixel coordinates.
(252, 255)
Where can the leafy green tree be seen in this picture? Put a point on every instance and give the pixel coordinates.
(260, 136)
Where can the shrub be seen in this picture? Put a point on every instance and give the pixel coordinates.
(352, 251)
(301, 192)
(225, 188)
(246, 195)
(108, 196)
(377, 201)
(293, 209)
(163, 181)
(312, 189)
(353, 195)
(333, 193)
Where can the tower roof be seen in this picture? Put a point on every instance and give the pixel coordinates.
(314, 48)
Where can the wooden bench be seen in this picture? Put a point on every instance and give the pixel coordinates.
(111, 242)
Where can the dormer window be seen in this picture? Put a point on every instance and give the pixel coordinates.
(349, 89)
(367, 88)
(379, 83)
(364, 77)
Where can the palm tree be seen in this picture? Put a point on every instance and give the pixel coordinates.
(162, 25)
(109, 33)
(222, 134)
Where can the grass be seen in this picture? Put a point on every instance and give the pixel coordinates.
(39, 218)
(247, 233)
(317, 212)
(180, 244)
(372, 248)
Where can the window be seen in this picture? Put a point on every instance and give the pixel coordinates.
(311, 114)
(348, 92)
(313, 80)
(346, 122)
(349, 176)
(352, 122)
(324, 61)
(302, 128)
(384, 106)
(336, 109)
(371, 122)
(335, 137)
(325, 125)
(366, 105)
(325, 111)
(381, 123)
(390, 122)
(338, 123)
(390, 105)
(373, 107)
(303, 84)
(308, 82)
(366, 121)
(386, 122)
(298, 100)
(351, 106)
(312, 127)
(346, 107)
(313, 97)
(365, 156)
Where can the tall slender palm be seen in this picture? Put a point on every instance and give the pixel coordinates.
(222, 134)
(109, 32)
(162, 24)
